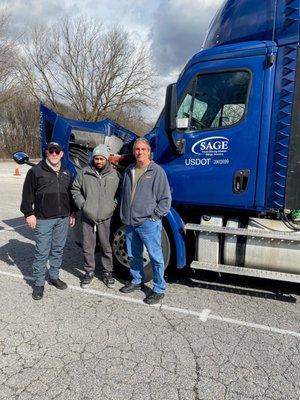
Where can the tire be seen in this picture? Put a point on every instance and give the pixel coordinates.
(121, 260)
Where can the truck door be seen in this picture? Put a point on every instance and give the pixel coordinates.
(218, 120)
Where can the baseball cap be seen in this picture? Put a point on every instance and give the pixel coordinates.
(54, 145)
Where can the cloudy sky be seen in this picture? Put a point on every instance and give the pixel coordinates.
(175, 29)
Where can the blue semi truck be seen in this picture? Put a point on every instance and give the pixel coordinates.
(229, 141)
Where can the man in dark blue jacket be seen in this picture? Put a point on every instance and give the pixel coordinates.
(145, 199)
(47, 209)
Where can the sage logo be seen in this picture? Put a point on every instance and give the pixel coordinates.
(214, 145)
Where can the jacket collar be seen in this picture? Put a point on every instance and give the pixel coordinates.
(45, 166)
(93, 171)
(149, 168)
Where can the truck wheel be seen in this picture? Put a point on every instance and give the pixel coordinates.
(121, 260)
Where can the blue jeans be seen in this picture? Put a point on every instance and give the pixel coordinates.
(50, 238)
(148, 234)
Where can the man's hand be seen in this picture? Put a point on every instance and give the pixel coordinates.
(72, 219)
(31, 221)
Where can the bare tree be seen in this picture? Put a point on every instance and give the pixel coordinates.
(8, 60)
(95, 71)
(19, 128)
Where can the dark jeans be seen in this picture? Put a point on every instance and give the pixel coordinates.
(90, 235)
(50, 238)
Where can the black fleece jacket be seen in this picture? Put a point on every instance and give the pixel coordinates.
(46, 194)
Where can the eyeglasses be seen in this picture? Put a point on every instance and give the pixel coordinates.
(54, 151)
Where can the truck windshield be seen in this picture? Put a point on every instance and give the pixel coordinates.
(214, 101)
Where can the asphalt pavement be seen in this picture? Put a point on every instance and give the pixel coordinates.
(211, 338)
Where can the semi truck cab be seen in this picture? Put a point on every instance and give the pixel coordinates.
(230, 122)
(223, 97)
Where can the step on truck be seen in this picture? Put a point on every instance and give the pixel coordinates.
(229, 141)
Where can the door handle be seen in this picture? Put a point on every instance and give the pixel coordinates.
(240, 180)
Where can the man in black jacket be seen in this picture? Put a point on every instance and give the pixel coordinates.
(47, 209)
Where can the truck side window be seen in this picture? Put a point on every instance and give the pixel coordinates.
(228, 115)
(216, 100)
(199, 107)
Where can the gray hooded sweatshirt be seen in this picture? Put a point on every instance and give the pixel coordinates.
(94, 193)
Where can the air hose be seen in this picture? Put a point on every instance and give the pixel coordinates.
(287, 222)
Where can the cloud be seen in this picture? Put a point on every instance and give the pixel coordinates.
(30, 12)
(134, 16)
(179, 28)
(175, 29)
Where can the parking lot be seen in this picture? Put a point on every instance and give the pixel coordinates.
(211, 338)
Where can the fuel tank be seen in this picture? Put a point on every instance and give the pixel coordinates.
(263, 253)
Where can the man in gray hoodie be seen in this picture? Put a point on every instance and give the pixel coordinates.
(94, 193)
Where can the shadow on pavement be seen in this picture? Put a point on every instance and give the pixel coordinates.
(246, 286)
(18, 255)
(20, 226)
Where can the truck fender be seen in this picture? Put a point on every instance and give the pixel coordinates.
(178, 235)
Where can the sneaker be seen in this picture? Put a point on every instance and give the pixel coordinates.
(87, 279)
(38, 292)
(58, 283)
(154, 298)
(130, 287)
(108, 279)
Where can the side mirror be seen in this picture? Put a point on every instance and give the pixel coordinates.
(177, 146)
(170, 107)
(21, 158)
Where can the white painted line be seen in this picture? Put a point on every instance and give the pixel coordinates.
(255, 326)
(203, 316)
(12, 228)
(103, 294)
(180, 310)
(28, 278)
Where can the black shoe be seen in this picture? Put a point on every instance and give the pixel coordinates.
(108, 279)
(130, 287)
(87, 279)
(154, 298)
(58, 283)
(38, 292)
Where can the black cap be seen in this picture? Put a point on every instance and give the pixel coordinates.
(54, 145)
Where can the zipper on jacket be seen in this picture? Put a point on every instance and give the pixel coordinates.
(99, 176)
(58, 191)
(131, 180)
(137, 184)
(131, 202)
(99, 180)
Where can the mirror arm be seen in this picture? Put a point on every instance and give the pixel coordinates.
(170, 118)
(32, 164)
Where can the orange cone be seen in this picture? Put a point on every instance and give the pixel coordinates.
(17, 172)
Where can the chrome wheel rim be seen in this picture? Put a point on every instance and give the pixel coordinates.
(120, 251)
